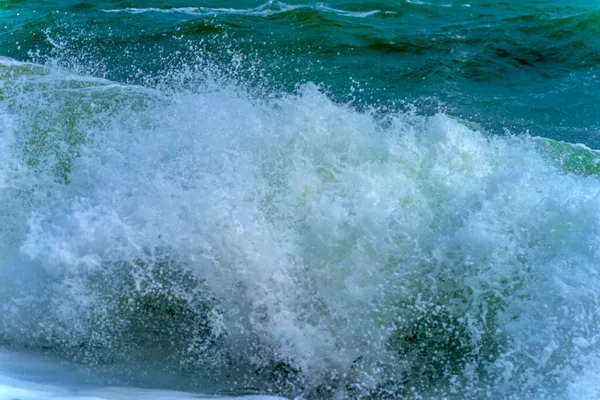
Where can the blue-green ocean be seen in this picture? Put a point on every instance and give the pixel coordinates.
(343, 199)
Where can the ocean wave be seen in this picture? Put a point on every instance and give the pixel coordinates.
(264, 10)
(293, 244)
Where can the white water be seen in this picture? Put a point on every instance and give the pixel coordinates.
(264, 10)
(357, 250)
(27, 377)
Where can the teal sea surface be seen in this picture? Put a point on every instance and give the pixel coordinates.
(319, 200)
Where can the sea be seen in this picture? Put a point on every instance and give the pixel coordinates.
(341, 199)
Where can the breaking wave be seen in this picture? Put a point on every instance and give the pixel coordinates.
(293, 245)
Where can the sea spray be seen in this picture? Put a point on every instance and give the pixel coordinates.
(293, 245)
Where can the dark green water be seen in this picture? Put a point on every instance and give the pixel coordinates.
(518, 65)
(343, 199)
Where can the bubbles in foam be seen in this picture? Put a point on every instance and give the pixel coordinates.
(325, 251)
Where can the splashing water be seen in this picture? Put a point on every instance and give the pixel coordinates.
(293, 245)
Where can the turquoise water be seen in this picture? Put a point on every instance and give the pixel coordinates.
(519, 65)
(364, 200)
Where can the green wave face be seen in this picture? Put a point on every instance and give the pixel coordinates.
(572, 158)
(60, 112)
(292, 245)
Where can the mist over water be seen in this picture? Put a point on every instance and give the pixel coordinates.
(209, 221)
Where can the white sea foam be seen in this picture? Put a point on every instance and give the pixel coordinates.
(28, 377)
(340, 242)
(264, 10)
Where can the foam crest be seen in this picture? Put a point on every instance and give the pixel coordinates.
(264, 10)
(330, 252)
